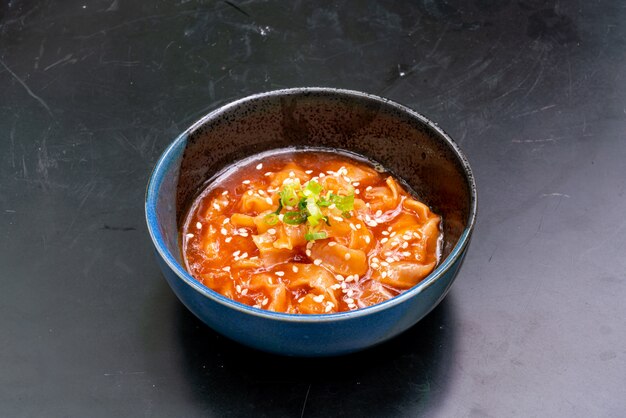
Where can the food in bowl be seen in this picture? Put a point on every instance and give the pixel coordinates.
(309, 231)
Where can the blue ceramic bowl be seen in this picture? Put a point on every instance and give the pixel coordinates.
(404, 141)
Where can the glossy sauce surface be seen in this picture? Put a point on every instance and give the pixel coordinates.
(309, 232)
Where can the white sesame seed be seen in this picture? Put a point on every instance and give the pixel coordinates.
(348, 179)
(349, 300)
(393, 234)
(352, 226)
(269, 173)
(309, 171)
(350, 292)
(322, 175)
(281, 217)
(384, 264)
(347, 256)
(308, 253)
(245, 182)
(259, 166)
(249, 192)
(332, 244)
(336, 286)
(238, 288)
(295, 269)
(243, 234)
(228, 239)
(216, 206)
(317, 261)
(357, 191)
(300, 300)
(270, 280)
(405, 244)
(244, 255)
(368, 188)
(390, 259)
(372, 223)
(236, 253)
(271, 231)
(318, 298)
(223, 231)
(378, 213)
(389, 229)
(244, 292)
(292, 174)
(374, 265)
(265, 301)
(225, 192)
(279, 273)
(269, 200)
(384, 240)
(328, 308)
(356, 184)
(383, 274)
(385, 233)
(375, 260)
(225, 221)
(367, 239)
(352, 306)
(198, 225)
(338, 218)
(227, 268)
(406, 253)
(344, 285)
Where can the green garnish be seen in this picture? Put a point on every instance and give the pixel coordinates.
(343, 203)
(312, 236)
(308, 202)
(288, 195)
(294, 218)
(312, 187)
(280, 207)
(271, 218)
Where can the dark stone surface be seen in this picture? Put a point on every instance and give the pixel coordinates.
(92, 92)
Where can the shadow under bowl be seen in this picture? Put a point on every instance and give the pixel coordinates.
(403, 141)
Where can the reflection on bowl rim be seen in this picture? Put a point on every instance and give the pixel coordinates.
(156, 178)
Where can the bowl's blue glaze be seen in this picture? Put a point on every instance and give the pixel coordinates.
(297, 335)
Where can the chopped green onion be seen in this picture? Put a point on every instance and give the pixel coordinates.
(288, 195)
(280, 207)
(343, 203)
(271, 218)
(302, 204)
(324, 203)
(314, 187)
(315, 214)
(312, 236)
(346, 214)
(294, 218)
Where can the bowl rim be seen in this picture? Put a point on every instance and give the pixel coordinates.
(166, 159)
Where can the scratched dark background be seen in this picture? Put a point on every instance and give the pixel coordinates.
(92, 91)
